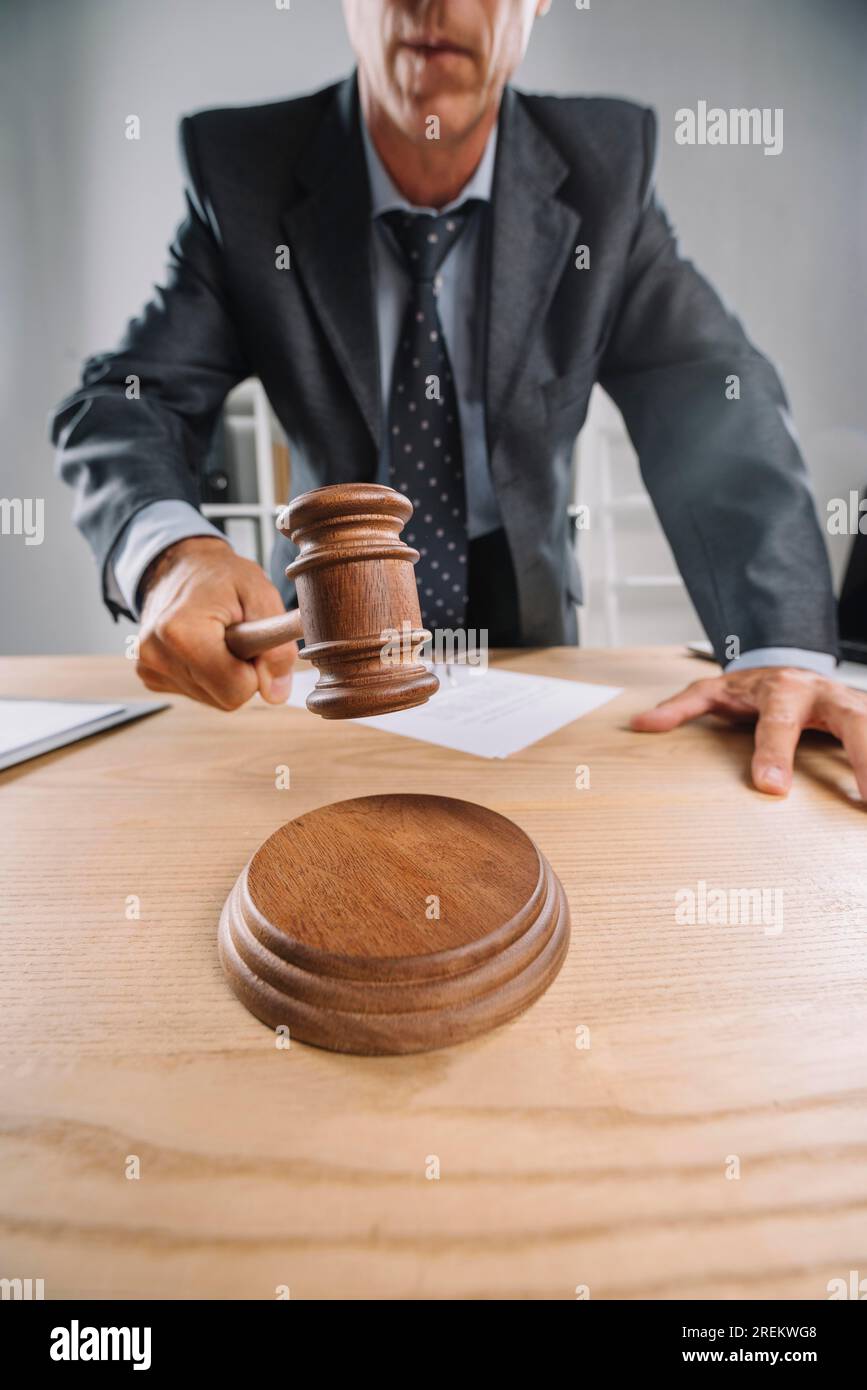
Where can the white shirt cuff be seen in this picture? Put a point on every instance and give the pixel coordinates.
(823, 663)
(148, 534)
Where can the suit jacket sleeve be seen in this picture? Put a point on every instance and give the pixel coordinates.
(725, 475)
(138, 428)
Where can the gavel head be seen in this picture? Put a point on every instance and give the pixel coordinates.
(358, 599)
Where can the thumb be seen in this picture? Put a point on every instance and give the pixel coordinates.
(261, 599)
(274, 672)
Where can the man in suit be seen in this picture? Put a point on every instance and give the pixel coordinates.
(428, 271)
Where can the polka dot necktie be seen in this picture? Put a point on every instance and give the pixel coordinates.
(425, 449)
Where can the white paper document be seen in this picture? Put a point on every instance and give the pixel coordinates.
(23, 722)
(488, 712)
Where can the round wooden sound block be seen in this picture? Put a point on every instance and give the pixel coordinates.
(394, 924)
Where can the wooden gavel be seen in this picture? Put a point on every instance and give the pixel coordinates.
(358, 609)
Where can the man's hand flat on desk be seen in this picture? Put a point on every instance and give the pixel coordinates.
(784, 701)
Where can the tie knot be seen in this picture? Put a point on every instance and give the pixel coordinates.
(426, 240)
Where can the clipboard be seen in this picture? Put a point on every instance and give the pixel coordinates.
(45, 725)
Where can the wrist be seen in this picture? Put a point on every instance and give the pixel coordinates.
(160, 565)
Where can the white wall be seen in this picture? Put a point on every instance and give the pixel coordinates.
(87, 214)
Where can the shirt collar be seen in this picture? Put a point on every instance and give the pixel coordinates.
(384, 195)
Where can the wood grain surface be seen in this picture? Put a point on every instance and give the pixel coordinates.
(560, 1165)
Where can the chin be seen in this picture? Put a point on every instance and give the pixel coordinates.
(457, 112)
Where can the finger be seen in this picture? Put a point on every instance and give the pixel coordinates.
(853, 736)
(782, 716)
(195, 654)
(158, 670)
(167, 664)
(273, 669)
(848, 723)
(174, 684)
(274, 672)
(155, 681)
(228, 681)
(697, 699)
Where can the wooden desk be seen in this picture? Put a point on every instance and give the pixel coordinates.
(560, 1166)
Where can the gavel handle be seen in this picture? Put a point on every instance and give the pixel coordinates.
(250, 639)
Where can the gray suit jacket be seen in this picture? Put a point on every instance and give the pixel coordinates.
(725, 476)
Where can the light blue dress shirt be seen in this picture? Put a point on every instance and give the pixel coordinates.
(161, 524)
(456, 287)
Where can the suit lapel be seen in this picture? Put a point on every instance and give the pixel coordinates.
(329, 230)
(329, 234)
(532, 239)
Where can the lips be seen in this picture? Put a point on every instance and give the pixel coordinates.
(435, 47)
